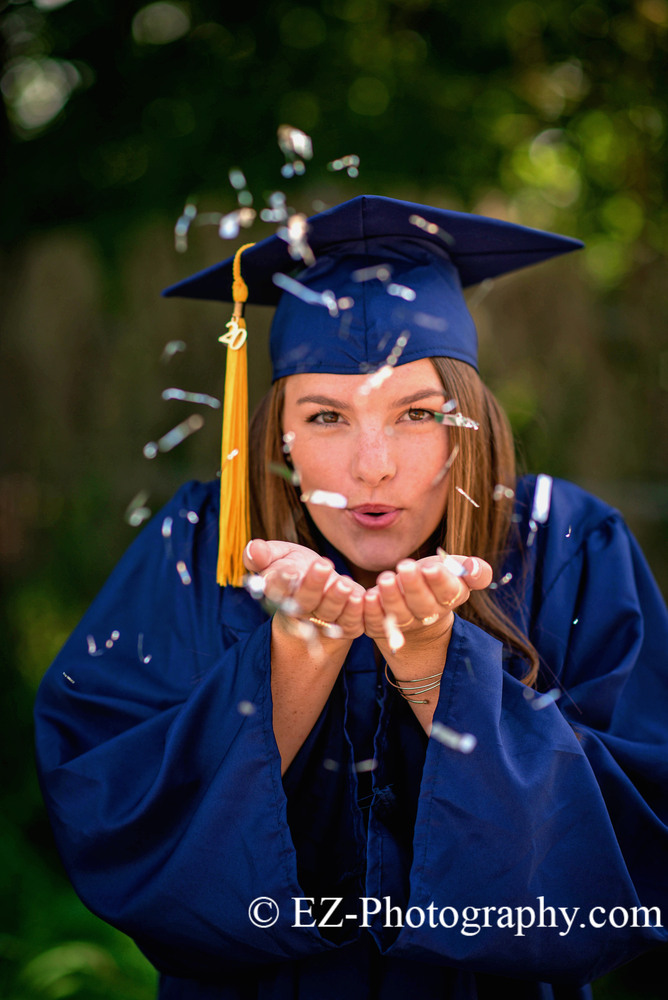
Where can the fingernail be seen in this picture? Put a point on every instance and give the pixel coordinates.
(247, 551)
(386, 578)
(431, 570)
(472, 566)
(406, 566)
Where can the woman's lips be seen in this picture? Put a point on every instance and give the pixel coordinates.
(374, 516)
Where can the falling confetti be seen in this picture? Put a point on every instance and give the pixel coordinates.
(502, 492)
(348, 163)
(502, 582)
(140, 650)
(383, 272)
(68, 678)
(363, 766)
(569, 532)
(294, 234)
(92, 648)
(466, 496)
(238, 182)
(171, 348)
(308, 295)
(285, 472)
(255, 585)
(541, 499)
(401, 292)
(393, 634)
(288, 441)
(324, 498)
(481, 292)
(456, 420)
(182, 570)
(182, 226)
(175, 436)
(446, 468)
(451, 564)
(277, 211)
(137, 512)
(296, 147)
(543, 700)
(431, 228)
(463, 742)
(246, 708)
(166, 529)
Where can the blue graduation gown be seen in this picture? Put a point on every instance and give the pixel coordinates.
(162, 778)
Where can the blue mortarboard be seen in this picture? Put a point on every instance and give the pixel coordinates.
(383, 269)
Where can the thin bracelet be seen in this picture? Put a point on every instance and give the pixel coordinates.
(417, 685)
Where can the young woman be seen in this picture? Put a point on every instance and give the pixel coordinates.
(354, 774)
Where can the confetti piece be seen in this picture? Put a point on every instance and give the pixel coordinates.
(546, 699)
(375, 380)
(348, 163)
(541, 499)
(324, 498)
(166, 529)
(255, 585)
(182, 226)
(175, 436)
(431, 228)
(456, 420)
(446, 468)
(502, 582)
(401, 292)
(140, 650)
(463, 742)
(393, 633)
(182, 570)
(294, 234)
(502, 492)
(237, 179)
(451, 564)
(331, 765)
(232, 454)
(285, 472)
(246, 708)
(288, 441)
(92, 648)
(481, 292)
(569, 532)
(171, 348)
(137, 512)
(192, 397)
(68, 678)
(466, 496)
(308, 295)
(277, 211)
(383, 272)
(364, 766)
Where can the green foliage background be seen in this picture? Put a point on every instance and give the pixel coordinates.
(114, 113)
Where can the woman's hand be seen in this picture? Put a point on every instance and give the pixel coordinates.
(420, 598)
(410, 613)
(305, 585)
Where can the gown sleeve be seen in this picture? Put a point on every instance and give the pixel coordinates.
(157, 758)
(556, 822)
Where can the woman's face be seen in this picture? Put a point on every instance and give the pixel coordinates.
(381, 447)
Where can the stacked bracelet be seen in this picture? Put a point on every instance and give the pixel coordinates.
(419, 685)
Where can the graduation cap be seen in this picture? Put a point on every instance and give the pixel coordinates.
(350, 284)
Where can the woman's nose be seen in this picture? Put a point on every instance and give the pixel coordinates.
(373, 459)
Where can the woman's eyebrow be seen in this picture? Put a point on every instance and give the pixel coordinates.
(336, 404)
(420, 394)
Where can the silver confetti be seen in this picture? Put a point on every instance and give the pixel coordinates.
(466, 496)
(171, 348)
(325, 498)
(463, 742)
(175, 436)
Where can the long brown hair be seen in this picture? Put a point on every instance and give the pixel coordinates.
(485, 459)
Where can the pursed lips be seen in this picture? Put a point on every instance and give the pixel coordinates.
(372, 515)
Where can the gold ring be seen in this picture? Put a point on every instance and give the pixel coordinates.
(320, 621)
(451, 603)
(430, 619)
(406, 624)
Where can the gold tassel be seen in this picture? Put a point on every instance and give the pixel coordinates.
(234, 527)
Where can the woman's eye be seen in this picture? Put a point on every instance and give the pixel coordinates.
(324, 417)
(417, 415)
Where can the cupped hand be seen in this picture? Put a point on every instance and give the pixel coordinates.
(419, 599)
(305, 585)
